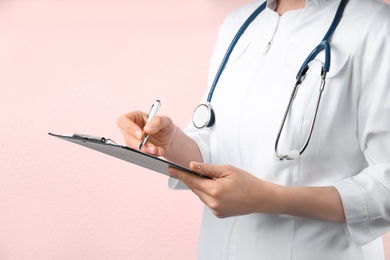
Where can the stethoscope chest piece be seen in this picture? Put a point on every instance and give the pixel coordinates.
(203, 116)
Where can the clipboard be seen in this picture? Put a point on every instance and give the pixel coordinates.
(109, 147)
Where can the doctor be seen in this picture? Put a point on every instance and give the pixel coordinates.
(332, 202)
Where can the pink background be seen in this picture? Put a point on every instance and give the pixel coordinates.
(68, 66)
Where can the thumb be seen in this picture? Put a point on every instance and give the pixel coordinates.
(209, 170)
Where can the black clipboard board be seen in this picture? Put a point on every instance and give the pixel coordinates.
(107, 146)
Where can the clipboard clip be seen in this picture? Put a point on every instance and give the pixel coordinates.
(94, 138)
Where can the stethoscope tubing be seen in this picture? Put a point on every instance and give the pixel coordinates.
(231, 48)
(324, 44)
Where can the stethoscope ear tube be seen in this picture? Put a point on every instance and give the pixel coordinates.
(293, 154)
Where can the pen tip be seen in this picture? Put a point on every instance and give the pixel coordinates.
(140, 146)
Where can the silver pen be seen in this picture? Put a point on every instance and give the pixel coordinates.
(153, 111)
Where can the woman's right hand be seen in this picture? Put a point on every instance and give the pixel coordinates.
(160, 129)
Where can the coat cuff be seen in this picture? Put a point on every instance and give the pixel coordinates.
(356, 213)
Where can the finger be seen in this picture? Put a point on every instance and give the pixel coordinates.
(202, 195)
(153, 150)
(130, 140)
(209, 170)
(158, 123)
(132, 123)
(192, 181)
(134, 143)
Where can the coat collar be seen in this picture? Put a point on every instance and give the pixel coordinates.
(271, 4)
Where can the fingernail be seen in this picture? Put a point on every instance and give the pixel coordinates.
(197, 165)
(150, 150)
(170, 171)
(158, 152)
(138, 134)
(148, 128)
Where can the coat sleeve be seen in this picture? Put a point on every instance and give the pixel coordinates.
(366, 196)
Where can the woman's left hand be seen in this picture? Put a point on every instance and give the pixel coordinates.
(232, 192)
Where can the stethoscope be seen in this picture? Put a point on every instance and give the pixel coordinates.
(204, 115)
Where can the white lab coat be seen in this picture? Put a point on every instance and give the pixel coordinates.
(350, 145)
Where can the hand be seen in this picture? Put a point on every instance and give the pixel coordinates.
(233, 192)
(160, 129)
